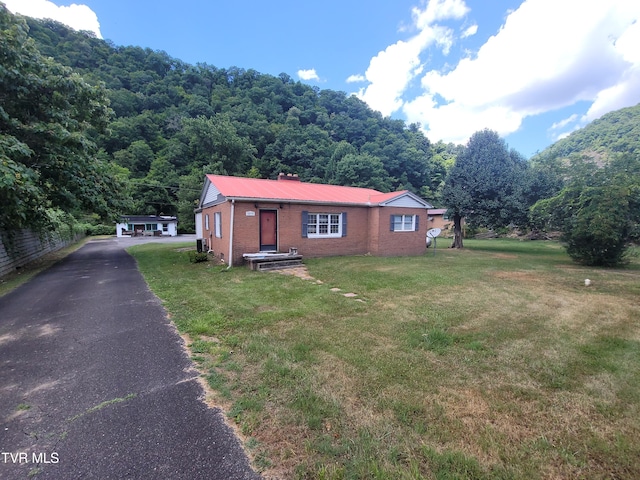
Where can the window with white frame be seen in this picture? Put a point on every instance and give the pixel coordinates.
(217, 223)
(324, 225)
(206, 222)
(404, 223)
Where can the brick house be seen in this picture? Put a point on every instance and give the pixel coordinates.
(237, 215)
(438, 219)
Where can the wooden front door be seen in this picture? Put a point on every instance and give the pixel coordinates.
(268, 230)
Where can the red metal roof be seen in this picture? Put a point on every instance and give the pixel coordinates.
(291, 189)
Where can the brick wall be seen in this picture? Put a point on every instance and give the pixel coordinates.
(439, 222)
(289, 218)
(220, 246)
(400, 243)
(367, 231)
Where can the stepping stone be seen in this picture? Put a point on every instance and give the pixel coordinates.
(336, 289)
(350, 295)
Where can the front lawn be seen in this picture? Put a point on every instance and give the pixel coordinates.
(495, 361)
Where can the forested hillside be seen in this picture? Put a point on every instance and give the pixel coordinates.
(173, 121)
(617, 132)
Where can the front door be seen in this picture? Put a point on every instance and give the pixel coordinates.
(268, 230)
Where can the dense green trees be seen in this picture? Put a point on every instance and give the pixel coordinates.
(193, 118)
(616, 132)
(485, 185)
(593, 183)
(598, 212)
(362, 170)
(47, 159)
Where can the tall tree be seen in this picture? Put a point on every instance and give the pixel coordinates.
(484, 184)
(46, 157)
(598, 212)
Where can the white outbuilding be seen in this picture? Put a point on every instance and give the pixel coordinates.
(147, 225)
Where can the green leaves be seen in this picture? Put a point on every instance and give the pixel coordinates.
(214, 141)
(485, 184)
(46, 156)
(362, 171)
(598, 213)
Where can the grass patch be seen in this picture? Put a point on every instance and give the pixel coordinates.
(495, 361)
(102, 405)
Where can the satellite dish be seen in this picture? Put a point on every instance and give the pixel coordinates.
(433, 233)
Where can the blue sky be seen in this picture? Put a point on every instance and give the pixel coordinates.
(532, 70)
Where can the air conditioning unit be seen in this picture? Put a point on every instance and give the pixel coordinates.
(200, 245)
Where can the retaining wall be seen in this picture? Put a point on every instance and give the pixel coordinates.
(27, 246)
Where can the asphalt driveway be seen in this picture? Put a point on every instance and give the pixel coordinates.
(95, 383)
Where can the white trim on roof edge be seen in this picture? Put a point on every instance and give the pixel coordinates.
(406, 200)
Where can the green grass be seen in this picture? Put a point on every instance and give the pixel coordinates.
(491, 362)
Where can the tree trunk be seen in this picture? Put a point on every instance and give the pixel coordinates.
(457, 231)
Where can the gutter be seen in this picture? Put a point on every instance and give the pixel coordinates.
(233, 209)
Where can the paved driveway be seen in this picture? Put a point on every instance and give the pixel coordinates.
(94, 382)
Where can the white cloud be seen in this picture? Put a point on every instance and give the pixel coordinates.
(555, 131)
(78, 17)
(626, 92)
(391, 71)
(356, 78)
(439, 10)
(547, 55)
(565, 122)
(308, 74)
(470, 31)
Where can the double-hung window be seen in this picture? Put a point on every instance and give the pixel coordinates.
(404, 223)
(217, 222)
(324, 225)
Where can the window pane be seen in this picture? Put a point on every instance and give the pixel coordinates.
(408, 222)
(217, 220)
(397, 222)
(328, 224)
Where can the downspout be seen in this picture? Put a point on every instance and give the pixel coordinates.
(233, 208)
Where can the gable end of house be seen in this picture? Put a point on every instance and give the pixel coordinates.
(405, 200)
(210, 195)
